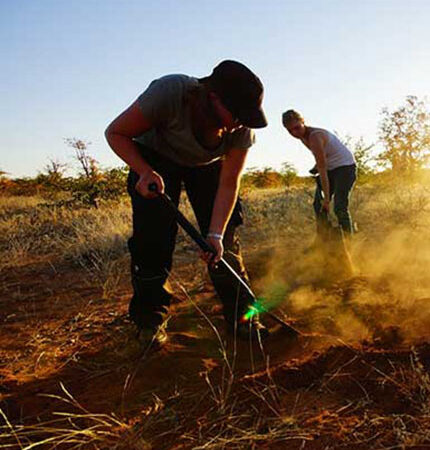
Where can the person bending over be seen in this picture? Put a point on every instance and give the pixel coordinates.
(195, 132)
(335, 166)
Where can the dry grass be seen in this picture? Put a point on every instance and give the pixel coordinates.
(76, 429)
(30, 228)
(370, 391)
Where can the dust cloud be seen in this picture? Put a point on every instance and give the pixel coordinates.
(387, 298)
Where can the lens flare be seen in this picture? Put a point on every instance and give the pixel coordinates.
(253, 310)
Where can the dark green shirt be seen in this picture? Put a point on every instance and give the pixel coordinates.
(165, 103)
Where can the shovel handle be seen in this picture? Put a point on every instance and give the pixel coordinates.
(201, 242)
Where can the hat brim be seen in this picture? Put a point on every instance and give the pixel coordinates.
(252, 118)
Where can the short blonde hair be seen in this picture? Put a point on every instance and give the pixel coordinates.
(291, 116)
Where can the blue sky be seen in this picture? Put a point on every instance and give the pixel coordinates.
(70, 67)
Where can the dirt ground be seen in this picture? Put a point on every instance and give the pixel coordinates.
(74, 376)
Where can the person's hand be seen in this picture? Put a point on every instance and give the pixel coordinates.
(326, 205)
(213, 258)
(147, 178)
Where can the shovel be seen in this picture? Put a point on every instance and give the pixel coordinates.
(201, 242)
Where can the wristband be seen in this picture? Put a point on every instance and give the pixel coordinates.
(216, 236)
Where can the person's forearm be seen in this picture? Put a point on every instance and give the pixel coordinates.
(128, 151)
(325, 183)
(223, 207)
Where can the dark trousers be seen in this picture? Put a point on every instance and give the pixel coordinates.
(341, 182)
(153, 241)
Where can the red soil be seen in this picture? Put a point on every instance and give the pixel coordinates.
(55, 329)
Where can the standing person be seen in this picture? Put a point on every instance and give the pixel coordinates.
(196, 132)
(335, 165)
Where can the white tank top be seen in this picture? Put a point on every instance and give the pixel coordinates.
(336, 153)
